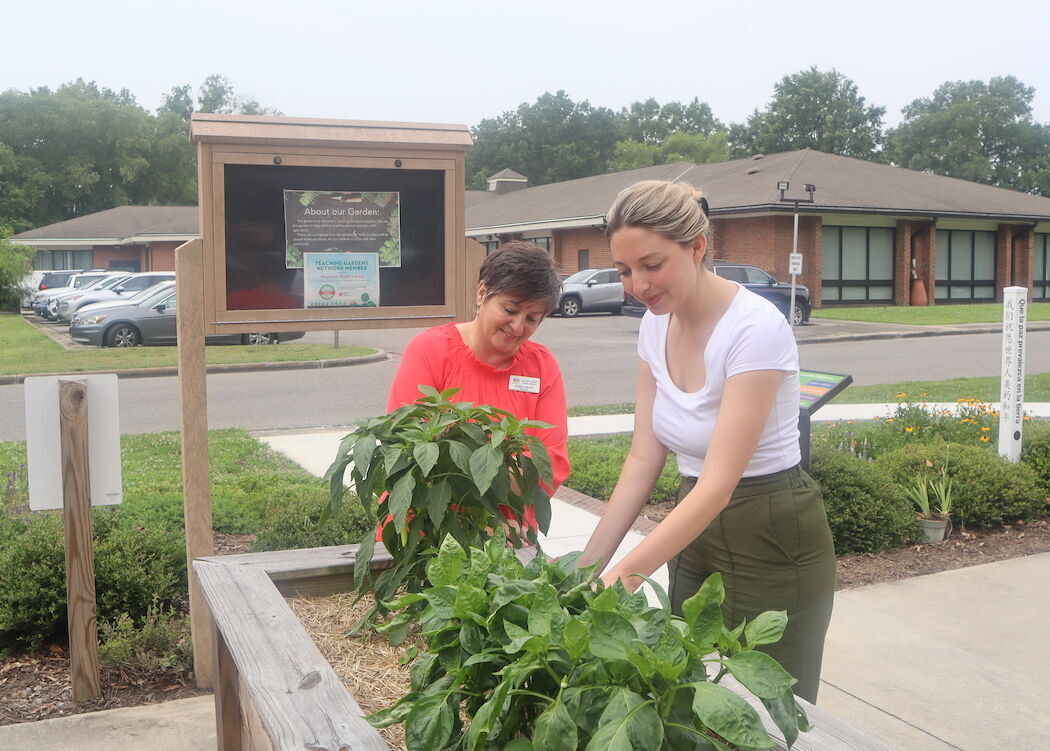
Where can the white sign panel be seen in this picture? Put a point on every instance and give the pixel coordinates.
(44, 441)
(1011, 408)
(795, 263)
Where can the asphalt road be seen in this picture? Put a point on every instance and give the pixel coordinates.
(597, 356)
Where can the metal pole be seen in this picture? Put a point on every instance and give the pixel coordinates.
(794, 250)
(1011, 385)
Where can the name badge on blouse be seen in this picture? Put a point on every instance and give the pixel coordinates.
(525, 383)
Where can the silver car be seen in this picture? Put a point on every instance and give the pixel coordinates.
(152, 321)
(591, 290)
(124, 287)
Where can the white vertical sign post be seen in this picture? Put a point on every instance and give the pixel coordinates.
(794, 274)
(1011, 407)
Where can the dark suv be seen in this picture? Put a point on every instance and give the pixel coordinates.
(758, 281)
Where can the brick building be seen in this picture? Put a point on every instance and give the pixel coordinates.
(127, 238)
(871, 233)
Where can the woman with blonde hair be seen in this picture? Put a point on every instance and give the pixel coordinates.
(717, 385)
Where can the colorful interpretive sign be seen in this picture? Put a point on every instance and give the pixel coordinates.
(817, 389)
(341, 280)
(342, 221)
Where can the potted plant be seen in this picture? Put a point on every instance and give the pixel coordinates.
(543, 656)
(933, 501)
(434, 469)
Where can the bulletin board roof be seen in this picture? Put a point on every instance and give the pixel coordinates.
(260, 129)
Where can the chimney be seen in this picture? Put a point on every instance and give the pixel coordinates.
(507, 181)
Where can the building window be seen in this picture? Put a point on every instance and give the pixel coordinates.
(490, 246)
(58, 260)
(542, 242)
(965, 265)
(1041, 272)
(583, 259)
(858, 264)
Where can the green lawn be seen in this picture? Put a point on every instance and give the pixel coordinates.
(25, 350)
(254, 490)
(930, 315)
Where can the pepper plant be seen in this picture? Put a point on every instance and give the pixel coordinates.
(437, 469)
(544, 657)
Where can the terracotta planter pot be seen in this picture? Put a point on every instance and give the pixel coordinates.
(918, 293)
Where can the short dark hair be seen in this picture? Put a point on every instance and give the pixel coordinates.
(523, 270)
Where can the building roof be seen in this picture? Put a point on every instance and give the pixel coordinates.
(843, 186)
(508, 174)
(123, 224)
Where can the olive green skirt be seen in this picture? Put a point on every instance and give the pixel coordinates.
(773, 547)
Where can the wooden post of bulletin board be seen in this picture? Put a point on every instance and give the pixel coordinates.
(80, 554)
(196, 484)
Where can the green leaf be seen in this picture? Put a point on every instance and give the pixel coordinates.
(576, 637)
(787, 715)
(544, 606)
(470, 600)
(429, 724)
(443, 600)
(422, 671)
(541, 458)
(484, 464)
(517, 637)
(363, 557)
(460, 456)
(447, 565)
(610, 633)
(392, 715)
(554, 729)
(629, 723)
(761, 674)
(511, 591)
(426, 456)
(486, 719)
(391, 456)
(439, 497)
(729, 715)
(364, 449)
(400, 499)
(767, 628)
(703, 611)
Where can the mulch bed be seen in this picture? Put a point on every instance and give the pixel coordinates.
(35, 686)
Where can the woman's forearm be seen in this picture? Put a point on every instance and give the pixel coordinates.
(679, 528)
(636, 483)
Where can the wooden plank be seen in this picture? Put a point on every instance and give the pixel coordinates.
(295, 696)
(227, 699)
(80, 555)
(193, 403)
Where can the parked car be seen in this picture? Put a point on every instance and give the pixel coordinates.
(52, 279)
(79, 280)
(124, 287)
(591, 290)
(151, 321)
(120, 302)
(755, 279)
(104, 282)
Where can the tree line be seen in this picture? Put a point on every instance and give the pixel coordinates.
(81, 149)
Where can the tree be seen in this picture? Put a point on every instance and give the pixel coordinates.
(554, 139)
(216, 95)
(976, 131)
(813, 109)
(179, 102)
(677, 147)
(649, 122)
(14, 268)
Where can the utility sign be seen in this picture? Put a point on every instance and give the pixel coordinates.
(795, 264)
(44, 443)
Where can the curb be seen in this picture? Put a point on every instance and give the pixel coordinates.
(939, 331)
(234, 367)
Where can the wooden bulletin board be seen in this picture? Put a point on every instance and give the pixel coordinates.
(331, 224)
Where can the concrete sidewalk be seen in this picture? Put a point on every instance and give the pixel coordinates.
(955, 660)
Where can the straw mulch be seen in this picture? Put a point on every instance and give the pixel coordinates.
(370, 668)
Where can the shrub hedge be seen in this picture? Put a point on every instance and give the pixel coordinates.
(596, 464)
(866, 511)
(987, 490)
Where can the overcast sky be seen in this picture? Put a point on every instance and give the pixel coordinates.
(459, 61)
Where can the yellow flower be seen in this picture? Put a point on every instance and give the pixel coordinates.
(922, 394)
(889, 419)
(909, 430)
(984, 439)
(985, 428)
(900, 396)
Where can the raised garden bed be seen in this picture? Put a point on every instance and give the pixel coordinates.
(275, 690)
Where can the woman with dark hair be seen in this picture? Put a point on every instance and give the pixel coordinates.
(717, 385)
(491, 358)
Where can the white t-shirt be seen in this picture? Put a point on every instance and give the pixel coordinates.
(751, 335)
